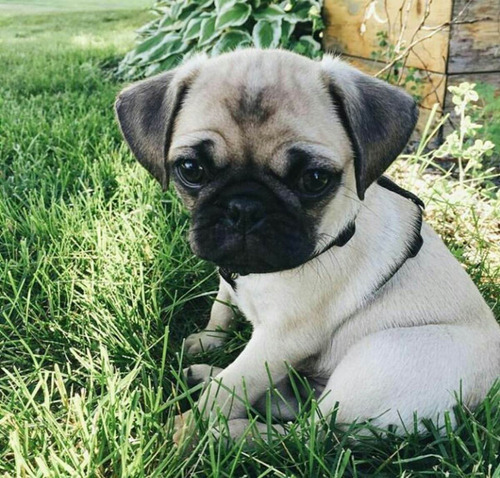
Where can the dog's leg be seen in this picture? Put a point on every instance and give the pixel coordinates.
(284, 404)
(282, 401)
(214, 334)
(264, 360)
(392, 374)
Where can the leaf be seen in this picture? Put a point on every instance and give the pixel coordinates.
(299, 12)
(222, 4)
(266, 34)
(169, 24)
(180, 9)
(208, 31)
(317, 24)
(152, 69)
(150, 43)
(131, 73)
(170, 62)
(204, 3)
(231, 41)
(286, 31)
(171, 44)
(271, 12)
(233, 16)
(149, 27)
(307, 46)
(188, 12)
(193, 29)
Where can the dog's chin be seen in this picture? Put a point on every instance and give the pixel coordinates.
(244, 260)
(256, 267)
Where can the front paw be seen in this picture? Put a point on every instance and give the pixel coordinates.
(248, 430)
(184, 429)
(200, 373)
(204, 340)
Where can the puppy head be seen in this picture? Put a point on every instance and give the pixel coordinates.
(270, 151)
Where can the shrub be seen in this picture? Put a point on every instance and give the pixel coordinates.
(460, 189)
(186, 27)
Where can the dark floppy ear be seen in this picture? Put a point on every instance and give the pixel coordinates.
(379, 119)
(146, 112)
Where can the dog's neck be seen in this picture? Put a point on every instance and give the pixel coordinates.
(339, 241)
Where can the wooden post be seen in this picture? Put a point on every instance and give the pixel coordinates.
(454, 41)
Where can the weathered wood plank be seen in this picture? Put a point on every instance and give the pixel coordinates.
(352, 27)
(475, 40)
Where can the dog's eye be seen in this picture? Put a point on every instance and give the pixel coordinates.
(191, 172)
(314, 181)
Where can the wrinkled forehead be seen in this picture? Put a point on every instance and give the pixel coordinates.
(255, 107)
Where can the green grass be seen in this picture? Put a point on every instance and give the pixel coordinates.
(15, 7)
(489, 114)
(98, 287)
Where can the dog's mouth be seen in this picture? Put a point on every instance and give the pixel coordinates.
(265, 250)
(244, 266)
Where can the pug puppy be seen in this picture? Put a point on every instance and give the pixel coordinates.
(279, 159)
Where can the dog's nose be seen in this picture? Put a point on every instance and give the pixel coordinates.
(244, 213)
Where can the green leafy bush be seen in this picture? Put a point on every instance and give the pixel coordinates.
(488, 113)
(186, 27)
(460, 188)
